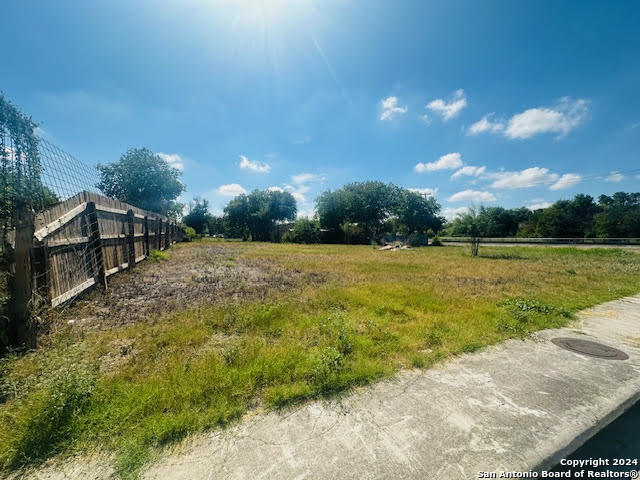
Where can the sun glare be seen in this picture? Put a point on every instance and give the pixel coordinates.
(263, 12)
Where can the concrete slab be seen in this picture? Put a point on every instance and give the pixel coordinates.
(517, 406)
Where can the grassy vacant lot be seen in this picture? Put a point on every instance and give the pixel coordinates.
(271, 325)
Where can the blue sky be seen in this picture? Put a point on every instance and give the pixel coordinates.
(494, 102)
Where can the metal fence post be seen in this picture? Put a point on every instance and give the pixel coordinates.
(130, 239)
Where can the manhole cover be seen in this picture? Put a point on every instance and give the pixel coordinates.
(592, 349)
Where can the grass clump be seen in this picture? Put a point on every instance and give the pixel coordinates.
(133, 389)
(158, 256)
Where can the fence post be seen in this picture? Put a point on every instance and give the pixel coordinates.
(95, 242)
(40, 274)
(21, 282)
(158, 232)
(146, 235)
(130, 239)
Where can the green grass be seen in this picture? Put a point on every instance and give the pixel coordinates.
(131, 390)
(157, 255)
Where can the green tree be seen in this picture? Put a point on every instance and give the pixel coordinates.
(473, 224)
(304, 230)
(174, 210)
(216, 225)
(619, 216)
(332, 213)
(198, 216)
(256, 214)
(362, 211)
(564, 219)
(416, 213)
(141, 178)
(370, 204)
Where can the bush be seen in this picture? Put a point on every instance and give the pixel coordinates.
(304, 231)
(436, 242)
(417, 240)
(190, 232)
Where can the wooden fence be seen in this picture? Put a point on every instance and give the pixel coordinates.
(87, 238)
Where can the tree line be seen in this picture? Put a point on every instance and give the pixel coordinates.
(359, 212)
(615, 216)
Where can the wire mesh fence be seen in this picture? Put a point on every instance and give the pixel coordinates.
(62, 235)
(63, 174)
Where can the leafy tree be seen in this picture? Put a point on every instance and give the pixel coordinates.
(619, 216)
(141, 178)
(417, 214)
(198, 216)
(304, 230)
(361, 211)
(236, 217)
(564, 219)
(473, 224)
(174, 210)
(216, 225)
(331, 210)
(370, 204)
(496, 221)
(256, 214)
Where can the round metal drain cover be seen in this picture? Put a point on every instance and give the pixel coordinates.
(591, 349)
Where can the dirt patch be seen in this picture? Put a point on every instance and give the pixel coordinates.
(195, 275)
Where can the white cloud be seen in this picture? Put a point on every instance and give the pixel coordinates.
(299, 196)
(425, 118)
(537, 204)
(391, 109)
(258, 167)
(449, 110)
(485, 125)
(231, 190)
(307, 178)
(561, 119)
(469, 171)
(425, 191)
(300, 187)
(567, 180)
(275, 188)
(449, 161)
(451, 212)
(614, 177)
(173, 159)
(472, 196)
(529, 177)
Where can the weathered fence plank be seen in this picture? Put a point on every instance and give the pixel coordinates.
(82, 241)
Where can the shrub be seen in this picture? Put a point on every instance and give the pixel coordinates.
(190, 232)
(417, 240)
(304, 231)
(436, 242)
